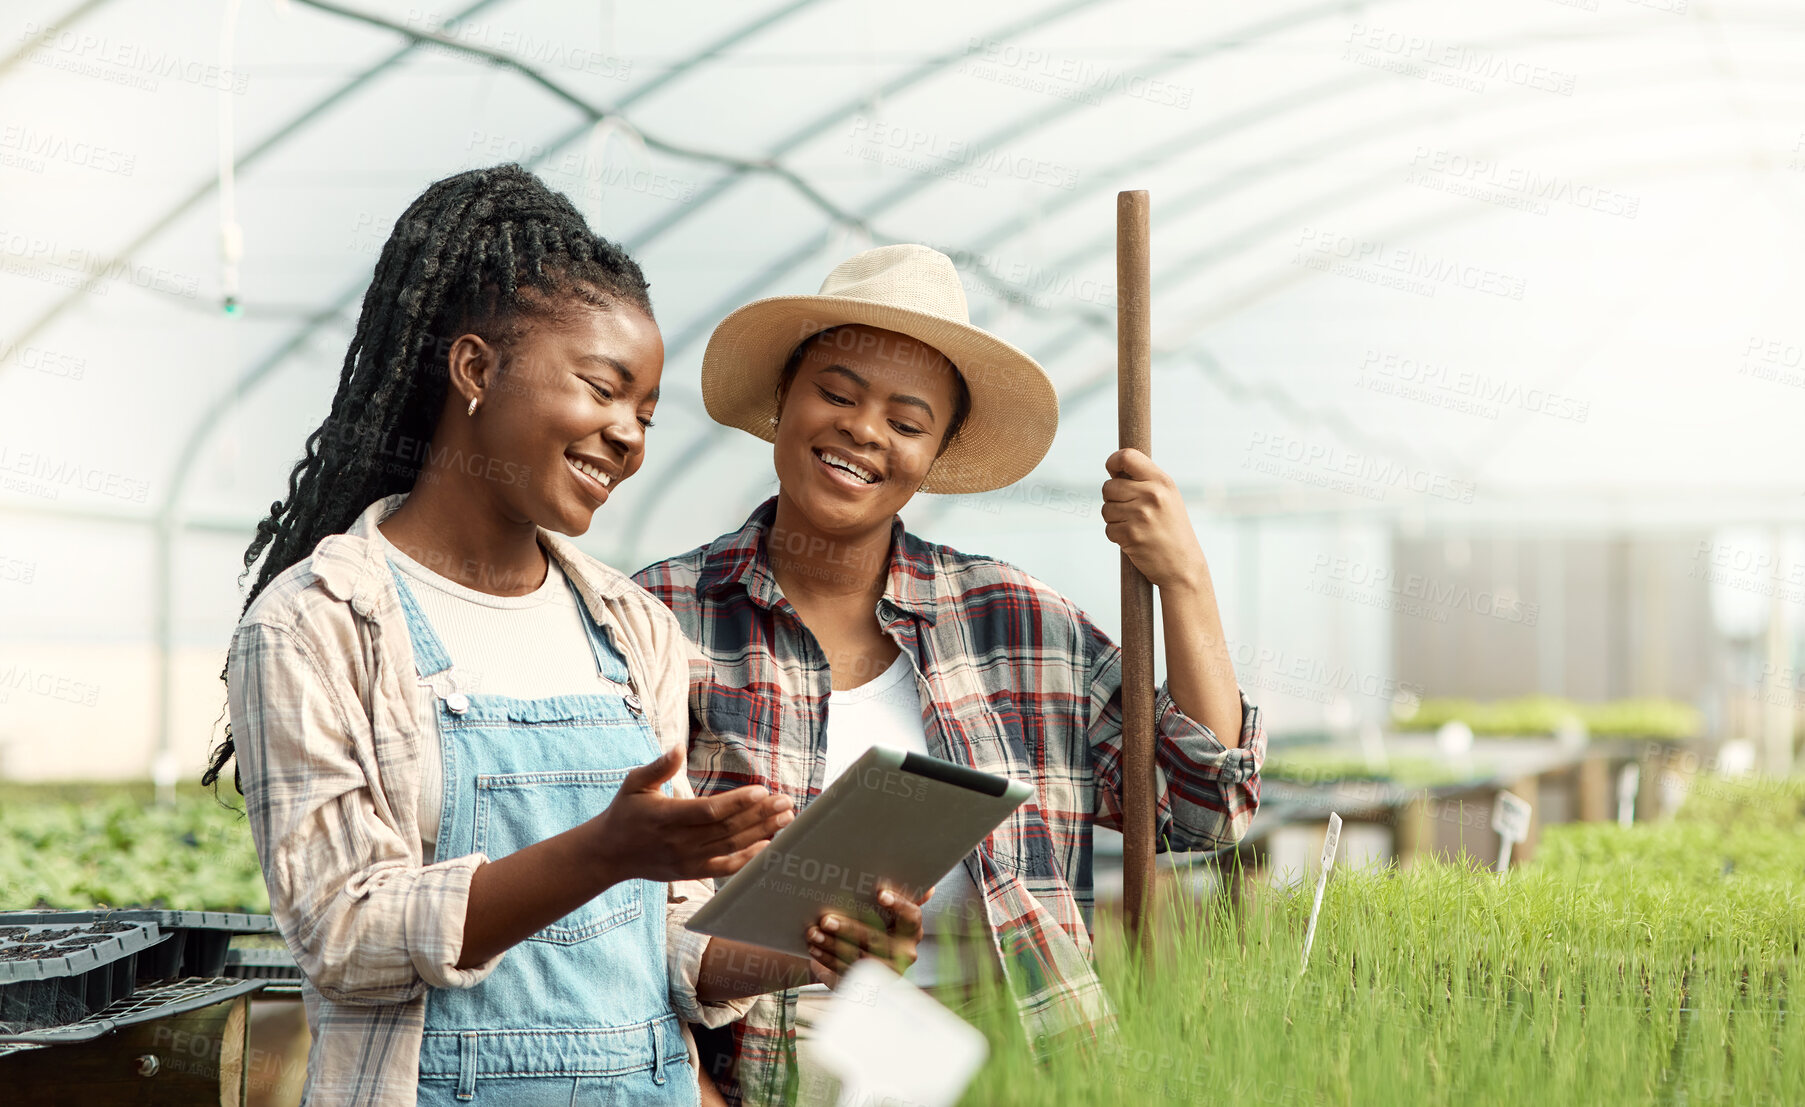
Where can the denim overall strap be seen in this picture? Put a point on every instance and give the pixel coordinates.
(580, 1011)
(430, 658)
(608, 660)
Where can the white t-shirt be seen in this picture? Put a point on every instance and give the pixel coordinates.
(886, 711)
(530, 646)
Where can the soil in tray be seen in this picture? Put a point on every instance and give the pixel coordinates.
(83, 941)
(27, 943)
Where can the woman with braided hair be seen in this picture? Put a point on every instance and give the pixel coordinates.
(462, 740)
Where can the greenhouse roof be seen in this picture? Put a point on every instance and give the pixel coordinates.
(1533, 261)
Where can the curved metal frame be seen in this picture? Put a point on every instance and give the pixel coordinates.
(701, 442)
(711, 436)
(1102, 378)
(168, 521)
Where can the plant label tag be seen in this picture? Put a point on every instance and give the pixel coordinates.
(886, 1041)
(1629, 784)
(1329, 843)
(1510, 818)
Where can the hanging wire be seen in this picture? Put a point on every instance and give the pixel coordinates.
(231, 234)
(769, 166)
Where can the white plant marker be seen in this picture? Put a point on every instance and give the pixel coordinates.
(1510, 818)
(890, 1042)
(1329, 842)
(1629, 782)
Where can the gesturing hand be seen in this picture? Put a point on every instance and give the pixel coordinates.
(1144, 514)
(836, 940)
(651, 836)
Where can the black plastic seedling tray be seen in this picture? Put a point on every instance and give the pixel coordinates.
(262, 964)
(53, 973)
(199, 945)
(157, 1001)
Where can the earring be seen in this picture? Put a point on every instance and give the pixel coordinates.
(471, 410)
(773, 420)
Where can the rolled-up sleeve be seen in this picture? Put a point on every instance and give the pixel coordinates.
(685, 949)
(1206, 792)
(367, 922)
(678, 661)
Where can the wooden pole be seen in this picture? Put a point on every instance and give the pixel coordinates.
(1134, 424)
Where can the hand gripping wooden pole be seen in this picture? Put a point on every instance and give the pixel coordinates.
(1134, 424)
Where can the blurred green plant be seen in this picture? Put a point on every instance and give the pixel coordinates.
(1326, 765)
(1544, 715)
(90, 845)
(1643, 964)
(1650, 964)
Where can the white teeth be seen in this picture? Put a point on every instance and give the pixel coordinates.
(841, 463)
(584, 467)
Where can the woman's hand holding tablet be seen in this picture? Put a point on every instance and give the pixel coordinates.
(836, 940)
(892, 821)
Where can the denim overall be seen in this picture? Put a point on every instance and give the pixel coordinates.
(580, 1011)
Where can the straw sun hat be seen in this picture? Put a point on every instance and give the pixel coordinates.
(914, 291)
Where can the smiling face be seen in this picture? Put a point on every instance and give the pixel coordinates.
(861, 422)
(563, 415)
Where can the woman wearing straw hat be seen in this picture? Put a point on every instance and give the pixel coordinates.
(829, 628)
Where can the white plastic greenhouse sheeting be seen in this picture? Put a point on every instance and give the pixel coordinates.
(1413, 262)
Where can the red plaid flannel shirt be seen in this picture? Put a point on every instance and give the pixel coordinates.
(1014, 680)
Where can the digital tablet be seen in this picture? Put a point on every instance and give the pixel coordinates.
(902, 817)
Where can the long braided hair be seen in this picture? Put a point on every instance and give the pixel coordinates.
(477, 253)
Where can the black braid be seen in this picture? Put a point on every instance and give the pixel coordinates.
(477, 253)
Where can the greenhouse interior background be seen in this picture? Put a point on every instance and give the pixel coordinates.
(1479, 382)
(1478, 356)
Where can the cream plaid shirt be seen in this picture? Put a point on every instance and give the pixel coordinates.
(328, 714)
